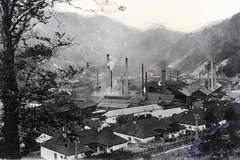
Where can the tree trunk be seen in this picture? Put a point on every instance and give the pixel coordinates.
(9, 92)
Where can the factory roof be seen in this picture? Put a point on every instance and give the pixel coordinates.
(132, 110)
(113, 105)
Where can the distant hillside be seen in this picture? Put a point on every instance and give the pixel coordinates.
(96, 36)
(217, 43)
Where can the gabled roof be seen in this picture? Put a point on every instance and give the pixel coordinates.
(49, 130)
(136, 130)
(103, 137)
(65, 146)
(128, 111)
(114, 105)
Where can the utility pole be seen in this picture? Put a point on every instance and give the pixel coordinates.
(191, 133)
(197, 117)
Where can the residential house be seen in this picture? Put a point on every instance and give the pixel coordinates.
(193, 120)
(64, 147)
(149, 129)
(134, 132)
(46, 133)
(101, 140)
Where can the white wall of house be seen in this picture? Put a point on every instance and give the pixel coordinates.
(111, 120)
(194, 128)
(117, 147)
(134, 139)
(52, 155)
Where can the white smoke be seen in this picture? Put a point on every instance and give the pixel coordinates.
(112, 62)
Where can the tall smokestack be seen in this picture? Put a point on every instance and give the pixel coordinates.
(97, 78)
(122, 86)
(208, 80)
(170, 75)
(212, 74)
(142, 79)
(111, 79)
(215, 77)
(164, 81)
(126, 70)
(146, 83)
(109, 72)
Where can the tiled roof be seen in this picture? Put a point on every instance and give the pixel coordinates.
(65, 146)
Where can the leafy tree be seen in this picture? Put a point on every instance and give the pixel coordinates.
(210, 118)
(17, 18)
(230, 115)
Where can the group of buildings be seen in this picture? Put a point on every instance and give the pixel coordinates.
(114, 122)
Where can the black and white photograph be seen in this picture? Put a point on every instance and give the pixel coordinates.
(120, 79)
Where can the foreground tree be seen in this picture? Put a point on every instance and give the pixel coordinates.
(17, 17)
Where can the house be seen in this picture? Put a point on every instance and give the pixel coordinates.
(170, 129)
(101, 140)
(111, 116)
(134, 132)
(46, 133)
(64, 147)
(193, 120)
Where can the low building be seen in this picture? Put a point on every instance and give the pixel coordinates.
(63, 147)
(101, 140)
(111, 116)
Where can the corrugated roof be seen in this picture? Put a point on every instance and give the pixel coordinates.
(104, 100)
(132, 110)
(113, 105)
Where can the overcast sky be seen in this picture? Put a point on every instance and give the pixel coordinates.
(181, 15)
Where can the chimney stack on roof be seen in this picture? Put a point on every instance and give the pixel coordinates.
(142, 79)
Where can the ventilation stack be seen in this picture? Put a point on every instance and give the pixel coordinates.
(164, 81)
(212, 75)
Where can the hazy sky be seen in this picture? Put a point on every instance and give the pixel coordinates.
(182, 15)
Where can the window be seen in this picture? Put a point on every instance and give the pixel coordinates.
(55, 155)
(61, 157)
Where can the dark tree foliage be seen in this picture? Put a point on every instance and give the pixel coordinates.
(17, 18)
(210, 118)
(231, 115)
